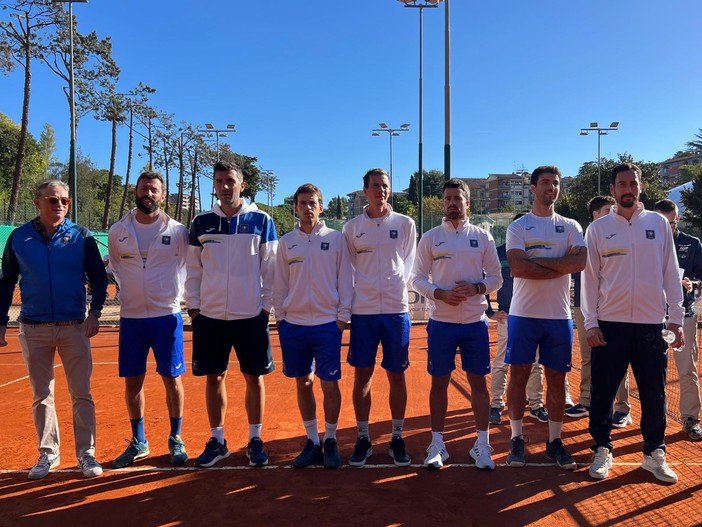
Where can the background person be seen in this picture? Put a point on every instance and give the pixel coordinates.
(51, 256)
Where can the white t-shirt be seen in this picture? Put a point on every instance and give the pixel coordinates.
(145, 233)
(543, 237)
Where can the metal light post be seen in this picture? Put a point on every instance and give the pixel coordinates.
(447, 94)
(421, 5)
(72, 171)
(217, 131)
(269, 182)
(391, 132)
(595, 127)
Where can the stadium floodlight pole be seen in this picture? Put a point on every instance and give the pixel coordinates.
(268, 178)
(595, 127)
(421, 5)
(447, 94)
(224, 131)
(72, 170)
(391, 132)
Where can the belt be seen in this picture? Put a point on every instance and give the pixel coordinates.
(56, 323)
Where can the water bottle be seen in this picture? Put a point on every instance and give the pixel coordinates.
(669, 338)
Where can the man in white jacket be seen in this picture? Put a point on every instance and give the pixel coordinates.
(228, 292)
(631, 274)
(456, 266)
(147, 251)
(382, 244)
(312, 299)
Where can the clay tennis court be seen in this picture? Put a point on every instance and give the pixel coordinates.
(153, 493)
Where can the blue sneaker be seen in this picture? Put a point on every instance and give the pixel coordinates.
(136, 450)
(620, 419)
(214, 452)
(310, 455)
(540, 414)
(516, 457)
(176, 447)
(332, 459)
(495, 415)
(256, 453)
(361, 451)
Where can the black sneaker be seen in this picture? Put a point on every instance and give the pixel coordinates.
(332, 459)
(310, 455)
(361, 451)
(556, 451)
(256, 453)
(516, 458)
(398, 452)
(579, 410)
(214, 452)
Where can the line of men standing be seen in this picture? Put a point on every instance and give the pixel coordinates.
(318, 280)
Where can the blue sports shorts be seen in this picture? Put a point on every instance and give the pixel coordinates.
(162, 334)
(472, 340)
(392, 331)
(554, 338)
(304, 345)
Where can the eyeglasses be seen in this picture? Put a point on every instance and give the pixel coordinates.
(53, 200)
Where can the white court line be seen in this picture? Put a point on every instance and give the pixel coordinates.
(26, 376)
(345, 467)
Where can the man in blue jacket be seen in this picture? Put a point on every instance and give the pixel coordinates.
(53, 256)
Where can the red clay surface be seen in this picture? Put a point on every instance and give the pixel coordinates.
(153, 493)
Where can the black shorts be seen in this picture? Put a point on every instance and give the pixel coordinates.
(213, 340)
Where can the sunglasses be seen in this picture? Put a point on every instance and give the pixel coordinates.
(53, 200)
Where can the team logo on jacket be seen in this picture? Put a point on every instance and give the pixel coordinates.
(650, 235)
(560, 229)
(166, 240)
(393, 235)
(325, 246)
(122, 238)
(243, 229)
(66, 239)
(473, 243)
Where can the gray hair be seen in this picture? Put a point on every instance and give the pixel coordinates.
(50, 183)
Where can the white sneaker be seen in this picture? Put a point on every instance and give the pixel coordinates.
(656, 465)
(436, 456)
(43, 465)
(601, 463)
(481, 453)
(90, 467)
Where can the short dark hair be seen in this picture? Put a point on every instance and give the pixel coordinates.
(150, 175)
(625, 167)
(459, 184)
(666, 206)
(308, 188)
(374, 172)
(598, 202)
(227, 166)
(544, 169)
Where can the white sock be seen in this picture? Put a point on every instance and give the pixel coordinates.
(312, 431)
(516, 426)
(330, 430)
(483, 437)
(437, 438)
(255, 431)
(218, 433)
(554, 430)
(363, 429)
(397, 426)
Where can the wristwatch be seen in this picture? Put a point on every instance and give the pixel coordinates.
(97, 313)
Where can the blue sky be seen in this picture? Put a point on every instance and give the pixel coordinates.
(305, 82)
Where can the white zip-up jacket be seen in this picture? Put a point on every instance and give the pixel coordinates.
(153, 289)
(231, 263)
(382, 254)
(632, 270)
(313, 281)
(448, 254)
